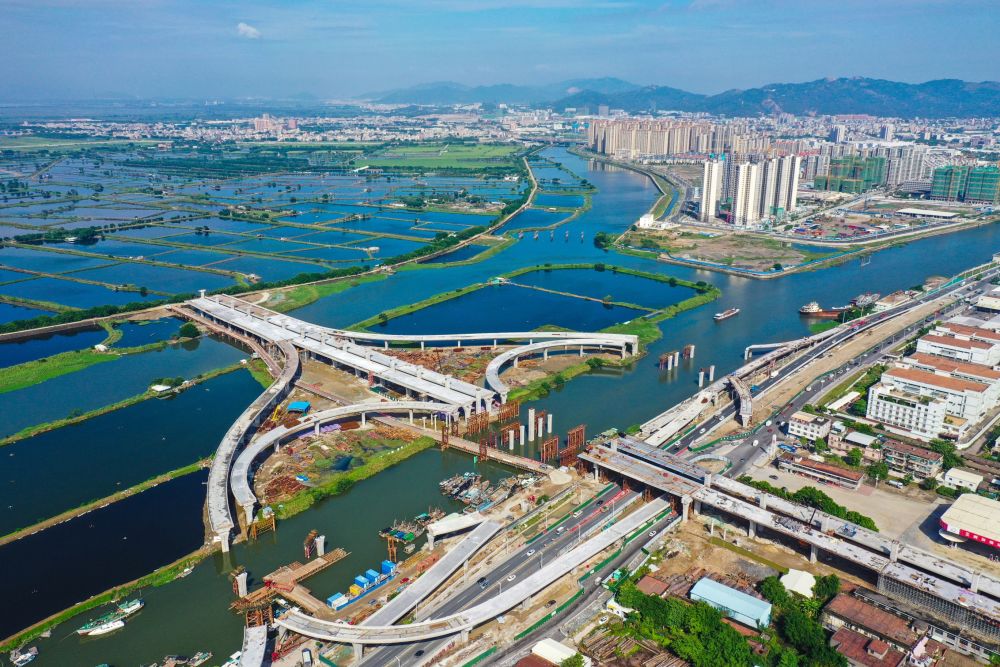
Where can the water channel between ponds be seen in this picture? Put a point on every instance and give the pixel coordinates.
(192, 614)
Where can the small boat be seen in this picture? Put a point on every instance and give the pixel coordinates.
(200, 658)
(813, 309)
(20, 658)
(126, 609)
(726, 314)
(234, 660)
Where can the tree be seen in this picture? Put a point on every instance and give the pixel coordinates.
(826, 587)
(929, 484)
(854, 457)
(772, 589)
(820, 445)
(878, 470)
(188, 330)
(575, 660)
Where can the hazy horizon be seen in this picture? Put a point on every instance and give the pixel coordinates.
(150, 49)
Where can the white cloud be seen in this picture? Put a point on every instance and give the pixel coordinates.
(246, 30)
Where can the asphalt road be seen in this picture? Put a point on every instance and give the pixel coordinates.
(527, 558)
(743, 455)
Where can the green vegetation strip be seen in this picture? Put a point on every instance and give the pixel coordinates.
(493, 249)
(479, 658)
(159, 577)
(343, 482)
(287, 300)
(813, 497)
(100, 502)
(25, 433)
(34, 372)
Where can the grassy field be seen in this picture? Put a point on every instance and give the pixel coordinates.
(444, 156)
(51, 143)
(32, 372)
(286, 300)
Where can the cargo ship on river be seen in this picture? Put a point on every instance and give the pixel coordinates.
(726, 314)
(813, 309)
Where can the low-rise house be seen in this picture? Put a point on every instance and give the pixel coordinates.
(905, 459)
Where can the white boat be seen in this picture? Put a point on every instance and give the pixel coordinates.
(21, 658)
(200, 658)
(234, 660)
(126, 609)
(105, 628)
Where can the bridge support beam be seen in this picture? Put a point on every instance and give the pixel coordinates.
(752, 530)
(463, 638)
(359, 653)
(224, 540)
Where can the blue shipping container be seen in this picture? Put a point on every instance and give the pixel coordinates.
(361, 581)
(372, 576)
(388, 567)
(333, 599)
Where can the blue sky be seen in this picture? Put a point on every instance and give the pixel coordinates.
(338, 48)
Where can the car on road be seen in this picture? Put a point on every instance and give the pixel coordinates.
(772, 477)
(512, 577)
(701, 431)
(652, 533)
(483, 582)
(550, 603)
(560, 529)
(576, 514)
(530, 552)
(600, 502)
(419, 653)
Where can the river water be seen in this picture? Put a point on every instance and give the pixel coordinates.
(191, 614)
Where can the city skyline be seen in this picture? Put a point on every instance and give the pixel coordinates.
(65, 49)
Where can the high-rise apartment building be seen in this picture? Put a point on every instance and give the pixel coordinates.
(853, 174)
(711, 189)
(746, 201)
(965, 183)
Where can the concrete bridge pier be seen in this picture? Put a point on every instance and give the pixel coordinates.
(685, 508)
(248, 513)
(411, 417)
(531, 424)
(894, 551)
(549, 416)
(223, 537)
(581, 350)
(522, 435)
(545, 354)
(752, 530)
(364, 418)
(697, 507)
(463, 638)
(421, 345)
(711, 373)
(359, 653)
(974, 584)
(813, 553)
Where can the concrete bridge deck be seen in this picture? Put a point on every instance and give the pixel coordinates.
(220, 520)
(486, 611)
(502, 359)
(336, 349)
(432, 579)
(240, 479)
(629, 341)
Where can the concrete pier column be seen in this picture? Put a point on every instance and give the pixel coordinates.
(510, 439)
(458, 344)
(315, 430)
(974, 584)
(385, 344)
(494, 343)
(581, 350)
(320, 546)
(364, 418)
(421, 345)
(541, 426)
(708, 480)
(224, 541)
(670, 363)
(894, 551)
(241, 584)
(685, 508)
(464, 637)
(545, 354)
(411, 417)
(692, 352)
(597, 473)
(531, 424)
(677, 359)
(711, 373)
(624, 352)
(522, 435)
(248, 513)
(359, 652)
(701, 378)
(813, 553)
(762, 501)
(515, 362)
(752, 529)
(697, 507)
(549, 429)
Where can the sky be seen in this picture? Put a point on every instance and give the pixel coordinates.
(334, 49)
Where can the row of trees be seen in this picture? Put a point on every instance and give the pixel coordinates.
(812, 497)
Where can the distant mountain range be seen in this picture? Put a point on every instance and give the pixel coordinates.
(856, 95)
(449, 92)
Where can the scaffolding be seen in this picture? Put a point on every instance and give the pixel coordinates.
(550, 449)
(946, 610)
(265, 524)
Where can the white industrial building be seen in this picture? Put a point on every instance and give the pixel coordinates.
(804, 425)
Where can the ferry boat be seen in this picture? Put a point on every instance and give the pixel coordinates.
(21, 658)
(105, 628)
(112, 620)
(726, 314)
(813, 309)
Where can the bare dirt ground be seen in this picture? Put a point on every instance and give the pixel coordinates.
(465, 363)
(738, 250)
(892, 511)
(530, 370)
(346, 386)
